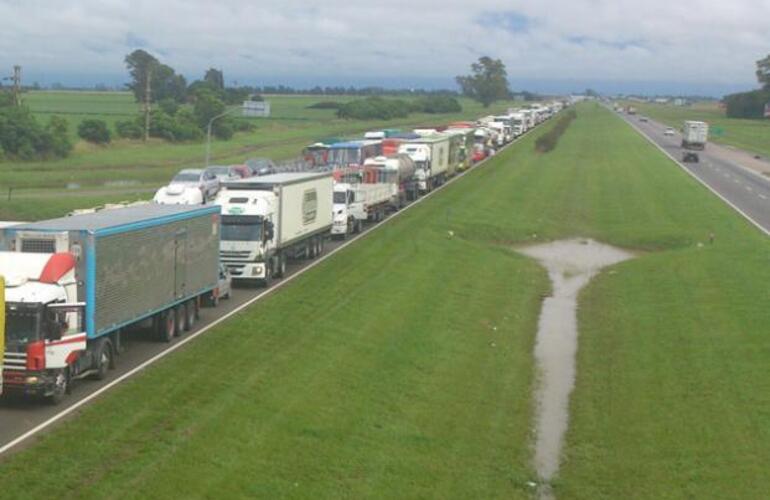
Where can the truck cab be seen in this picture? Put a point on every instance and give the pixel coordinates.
(348, 211)
(247, 238)
(45, 335)
(421, 156)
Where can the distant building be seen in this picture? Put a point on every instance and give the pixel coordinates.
(256, 109)
(680, 102)
(661, 100)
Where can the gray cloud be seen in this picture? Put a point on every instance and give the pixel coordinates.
(699, 41)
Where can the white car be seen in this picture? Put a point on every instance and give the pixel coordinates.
(668, 131)
(206, 182)
(178, 194)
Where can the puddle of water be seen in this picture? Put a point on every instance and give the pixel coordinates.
(73, 185)
(571, 264)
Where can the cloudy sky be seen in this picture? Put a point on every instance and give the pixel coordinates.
(698, 46)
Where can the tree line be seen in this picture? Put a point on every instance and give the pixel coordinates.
(751, 104)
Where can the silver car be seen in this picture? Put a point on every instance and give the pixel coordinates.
(206, 181)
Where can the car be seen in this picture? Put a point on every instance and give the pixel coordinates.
(178, 194)
(668, 131)
(690, 157)
(642, 118)
(261, 166)
(242, 170)
(205, 181)
(224, 172)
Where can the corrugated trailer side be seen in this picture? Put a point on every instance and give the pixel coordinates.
(137, 270)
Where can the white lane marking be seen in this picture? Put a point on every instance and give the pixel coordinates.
(52, 420)
(762, 196)
(748, 188)
(707, 186)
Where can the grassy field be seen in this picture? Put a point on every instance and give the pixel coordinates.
(751, 135)
(148, 166)
(405, 366)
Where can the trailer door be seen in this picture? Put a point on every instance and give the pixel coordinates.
(180, 263)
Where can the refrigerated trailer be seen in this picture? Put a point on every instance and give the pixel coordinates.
(270, 219)
(75, 285)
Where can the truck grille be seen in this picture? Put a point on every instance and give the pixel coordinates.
(15, 361)
(235, 270)
(38, 245)
(240, 254)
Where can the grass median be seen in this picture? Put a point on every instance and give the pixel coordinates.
(402, 367)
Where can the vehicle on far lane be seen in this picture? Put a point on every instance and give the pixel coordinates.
(224, 173)
(205, 181)
(669, 131)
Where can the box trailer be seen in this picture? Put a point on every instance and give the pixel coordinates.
(270, 219)
(431, 157)
(74, 285)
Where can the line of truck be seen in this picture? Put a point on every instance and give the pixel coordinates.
(76, 285)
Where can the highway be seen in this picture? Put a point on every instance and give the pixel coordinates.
(744, 189)
(23, 419)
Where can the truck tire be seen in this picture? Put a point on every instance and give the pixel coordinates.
(102, 360)
(310, 251)
(166, 325)
(318, 246)
(179, 313)
(281, 272)
(61, 387)
(189, 315)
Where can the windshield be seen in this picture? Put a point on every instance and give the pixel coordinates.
(186, 177)
(241, 228)
(339, 197)
(219, 170)
(22, 324)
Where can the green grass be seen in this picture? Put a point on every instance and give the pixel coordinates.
(751, 135)
(402, 367)
(291, 127)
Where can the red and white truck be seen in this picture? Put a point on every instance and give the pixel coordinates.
(76, 285)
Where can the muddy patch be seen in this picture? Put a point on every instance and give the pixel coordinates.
(570, 264)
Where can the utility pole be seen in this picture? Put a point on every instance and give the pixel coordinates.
(17, 85)
(147, 78)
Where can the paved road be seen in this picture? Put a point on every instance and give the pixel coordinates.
(745, 189)
(19, 416)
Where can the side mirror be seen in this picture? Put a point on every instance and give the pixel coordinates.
(269, 230)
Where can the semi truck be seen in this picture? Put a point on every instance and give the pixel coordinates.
(460, 147)
(76, 285)
(398, 172)
(271, 219)
(2, 328)
(431, 157)
(694, 138)
(357, 203)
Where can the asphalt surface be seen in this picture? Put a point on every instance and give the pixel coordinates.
(21, 419)
(744, 189)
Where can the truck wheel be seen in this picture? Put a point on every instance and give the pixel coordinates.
(189, 315)
(61, 387)
(178, 320)
(310, 251)
(268, 274)
(166, 325)
(103, 360)
(281, 266)
(318, 247)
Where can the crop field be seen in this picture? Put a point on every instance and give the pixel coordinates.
(751, 135)
(402, 366)
(127, 169)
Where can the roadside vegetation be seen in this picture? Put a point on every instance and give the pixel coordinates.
(751, 135)
(330, 391)
(548, 140)
(124, 168)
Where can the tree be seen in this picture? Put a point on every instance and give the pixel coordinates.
(215, 78)
(164, 82)
(487, 83)
(93, 130)
(207, 106)
(57, 129)
(763, 72)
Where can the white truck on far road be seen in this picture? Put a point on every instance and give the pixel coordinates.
(270, 219)
(694, 138)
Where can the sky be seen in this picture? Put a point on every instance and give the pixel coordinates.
(701, 47)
